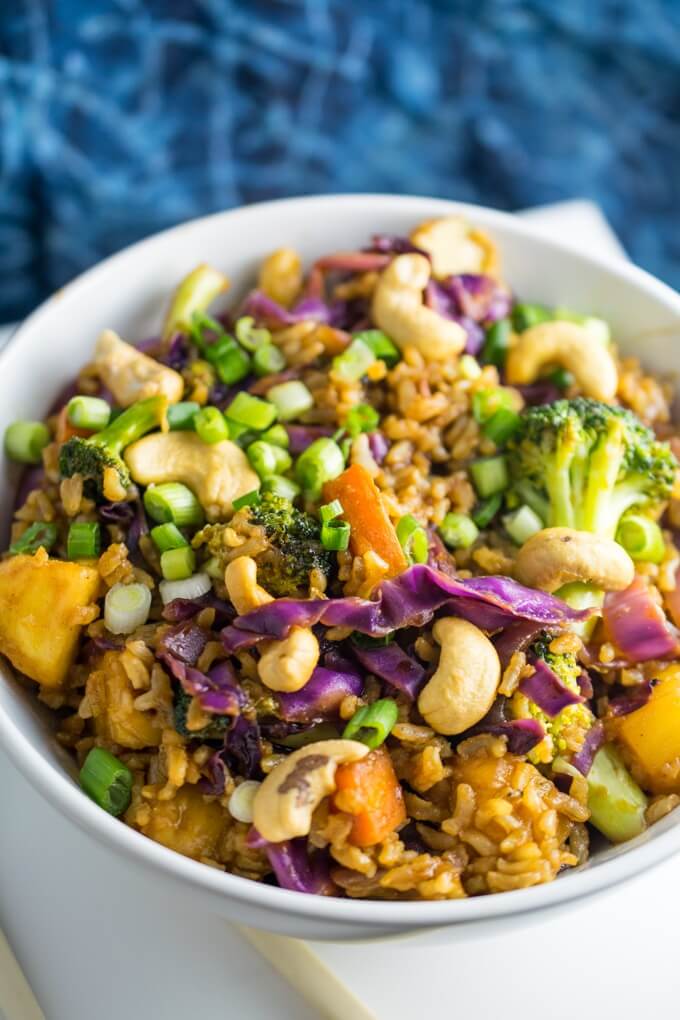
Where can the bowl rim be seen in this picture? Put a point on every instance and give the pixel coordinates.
(60, 791)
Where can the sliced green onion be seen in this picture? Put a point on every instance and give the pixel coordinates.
(381, 345)
(561, 378)
(277, 435)
(524, 492)
(413, 539)
(106, 781)
(489, 475)
(266, 459)
(642, 538)
(335, 535)
(372, 724)
(210, 425)
(497, 343)
(319, 463)
(181, 416)
(526, 315)
(178, 564)
(522, 523)
(485, 403)
(173, 502)
(502, 425)
(37, 535)
(241, 434)
(26, 440)
(168, 536)
(126, 607)
(361, 418)
(484, 512)
(458, 531)
(83, 541)
(354, 362)
(291, 399)
(233, 365)
(268, 360)
(88, 413)
(195, 292)
(329, 511)
(192, 588)
(277, 485)
(249, 335)
(251, 411)
(211, 346)
(251, 498)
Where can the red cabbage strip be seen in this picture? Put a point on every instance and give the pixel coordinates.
(294, 867)
(521, 734)
(637, 625)
(409, 600)
(184, 641)
(354, 262)
(515, 638)
(636, 697)
(217, 691)
(321, 696)
(594, 740)
(302, 436)
(547, 690)
(265, 310)
(392, 664)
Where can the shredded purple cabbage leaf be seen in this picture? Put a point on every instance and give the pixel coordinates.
(546, 689)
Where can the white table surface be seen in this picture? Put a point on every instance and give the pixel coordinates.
(98, 941)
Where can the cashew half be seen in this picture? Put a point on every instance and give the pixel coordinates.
(556, 556)
(132, 375)
(399, 311)
(281, 276)
(463, 689)
(284, 665)
(567, 344)
(454, 247)
(284, 804)
(217, 473)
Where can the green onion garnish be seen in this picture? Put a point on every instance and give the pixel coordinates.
(458, 531)
(381, 345)
(361, 418)
(268, 360)
(277, 435)
(642, 538)
(249, 335)
(178, 564)
(36, 535)
(277, 485)
(267, 459)
(486, 510)
(501, 425)
(26, 440)
(210, 425)
(522, 523)
(291, 399)
(354, 362)
(526, 315)
(181, 416)
(88, 413)
(126, 607)
(173, 502)
(486, 402)
(372, 724)
(319, 463)
(497, 343)
(335, 535)
(413, 539)
(233, 365)
(562, 378)
(251, 411)
(251, 498)
(489, 475)
(168, 536)
(329, 511)
(107, 781)
(83, 541)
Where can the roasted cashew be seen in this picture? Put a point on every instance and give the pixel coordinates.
(217, 473)
(132, 375)
(280, 276)
(399, 311)
(454, 247)
(464, 686)
(284, 665)
(284, 804)
(567, 344)
(557, 556)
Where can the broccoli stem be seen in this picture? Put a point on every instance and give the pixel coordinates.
(131, 425)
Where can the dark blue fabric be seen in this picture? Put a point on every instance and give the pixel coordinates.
(120, 117)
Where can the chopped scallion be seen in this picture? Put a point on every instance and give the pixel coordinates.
(291, 399)
(83, 541)
(37, 535)
(413, 539)
(173, 502)
(524, 316)
(106, 781)
(319, 463)
(251, 498)
(329, 511)
(489, 475)
(168, 536)
(277, 435)
(335, 535)
(354, 362)
(484, 512)
(126, 607)
(372, 724)
(249, 335)
(522, 523)
(278, 485)
(211, 425)
(497, 343)
(361, 418)
(181, 416)
(458, 531)
(26, 440)
(383, 348)
(642, 538)
(251, 411)
(88, 413)
(267, 459)
(178, 564)
(191, 588)
(486, 402)
(232, 365)
(501, 425)
(268, 360)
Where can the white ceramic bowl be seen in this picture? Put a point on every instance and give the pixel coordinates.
(128, 292)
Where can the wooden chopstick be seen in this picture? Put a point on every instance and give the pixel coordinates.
(17, 1001)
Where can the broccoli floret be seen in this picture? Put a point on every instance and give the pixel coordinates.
(215, 729)
(295, 547)
(566, 667)
(90, 457)
(582, 464)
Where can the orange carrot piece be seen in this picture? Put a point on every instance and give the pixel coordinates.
(372, 530)
(369, 790)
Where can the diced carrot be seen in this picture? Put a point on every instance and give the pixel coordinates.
(65, 430)
(369, 790)
(372, 530)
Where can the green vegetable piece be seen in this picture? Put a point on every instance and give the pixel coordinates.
(211, 425)
(501, 426)
(497, 343)
(107, 781)
(268, 360)
(291, 399)
(319, 463)
(251, 498)
(486, 510)
(83, 541)
(642, 538)
(249, 335)
(26, 440)
(617, 804)
(178, 564)
(267, 459)
(173, 502)
(372, 724)
(485, 403)
(413, 539)
(278, 485)
(361, 418)
(194, 294)
(181, 416)
(522, 523)
(252, 412)
(277, 435)
(88, 413)
(335, 535)
(168, 536)
(354, 362)
(524, 316)
(458, 531)
(489, 475)
(383, 348)
(37, 535)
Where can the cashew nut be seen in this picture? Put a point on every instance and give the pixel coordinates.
(284, 665)
(216, 472)
(399, 311)
(463, 689)
(281, 276)
(567, 344)
(284, 804)
(556, 556)
(132, 375)
(454, 247)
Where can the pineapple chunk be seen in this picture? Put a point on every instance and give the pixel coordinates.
(651, 734)
(40, 603)
(111, 698)
(188, 823)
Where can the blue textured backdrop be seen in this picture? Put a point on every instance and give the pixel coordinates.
(120, 117)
